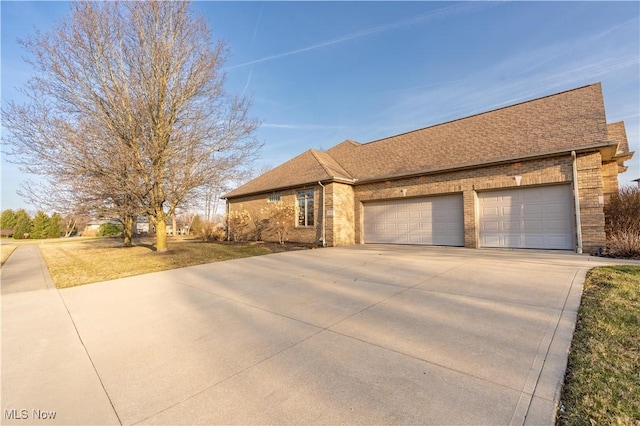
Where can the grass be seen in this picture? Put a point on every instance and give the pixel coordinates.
(5, 251)
(78, 263)
(602, 384)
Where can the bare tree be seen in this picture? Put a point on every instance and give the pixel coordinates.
(128, 100)
(56, 197)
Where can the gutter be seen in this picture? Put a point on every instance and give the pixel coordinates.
(324, 241)
(576, 199)
(226, 200)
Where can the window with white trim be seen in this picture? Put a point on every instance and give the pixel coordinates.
(305, 207)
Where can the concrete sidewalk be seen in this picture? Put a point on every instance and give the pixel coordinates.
(364, 334)
(47, 375)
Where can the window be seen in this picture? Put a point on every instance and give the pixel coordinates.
(274, 198)
(305, 207)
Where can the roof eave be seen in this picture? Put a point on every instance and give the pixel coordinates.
(283, 188)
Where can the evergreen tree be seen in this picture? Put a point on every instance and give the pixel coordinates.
(40, 225)
(8, 219)
(55, 226)
(23, 225)
(196, 225)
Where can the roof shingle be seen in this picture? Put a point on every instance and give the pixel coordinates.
(568, 120)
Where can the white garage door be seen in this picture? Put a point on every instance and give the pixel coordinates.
(432, 220)
(539, 217)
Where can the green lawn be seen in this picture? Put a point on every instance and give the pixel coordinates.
(602, 385)
(77, 263)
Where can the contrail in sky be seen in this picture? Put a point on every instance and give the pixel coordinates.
(436, 14)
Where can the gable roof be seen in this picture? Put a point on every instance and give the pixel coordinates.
(617, 133)
(566, 121)
(309, 167)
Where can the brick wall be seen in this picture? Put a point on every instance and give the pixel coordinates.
(590, 188)
(532, 172)
(609, 179)
(254, 203)
(340, 215)
(344, 203)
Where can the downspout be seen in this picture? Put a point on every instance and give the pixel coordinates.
(226, 200)
(324, 216)
(576, 199)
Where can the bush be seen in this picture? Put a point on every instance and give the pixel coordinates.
(208, 230)
(624, 244)
(281, 220)
(239, 222)
(110, 230)
(623, 211)
(622, 215)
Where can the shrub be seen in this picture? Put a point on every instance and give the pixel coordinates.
(110, 230)
(196, 225)
(260, 224)
(624, 244)
(622, 214)
(209, 230)
(281, 220)
(239, 222)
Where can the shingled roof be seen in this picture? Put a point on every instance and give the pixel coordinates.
(309, 167)
(570, 120)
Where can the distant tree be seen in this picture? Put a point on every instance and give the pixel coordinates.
(196, 225)
(23, 225)
(73, 205)
(187, 218)
(128, 105)
(73, 222)
(8, 219)
(55, 226)
(40, 225)
(110, 230)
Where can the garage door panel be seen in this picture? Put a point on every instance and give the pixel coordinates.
(534, 241)
(556, 208)
(559, 241)
(538, 217)
(430, 221)
(491, 226)
(532, 209)
(508, 225)
(557, 225)
(507, 211)
(531, 225)
(509, 240)
(490, 211)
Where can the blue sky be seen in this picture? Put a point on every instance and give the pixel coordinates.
(323, 72)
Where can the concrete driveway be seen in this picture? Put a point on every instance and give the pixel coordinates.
(361, 335)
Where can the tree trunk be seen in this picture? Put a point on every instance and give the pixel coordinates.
(128, 231)
(174, 223)
(161, 233)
